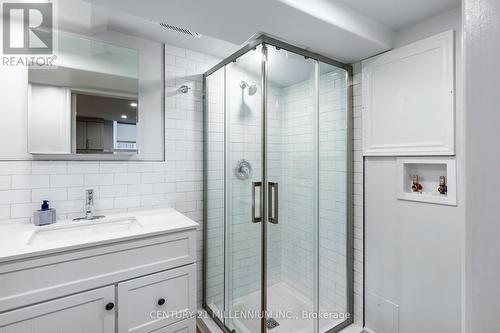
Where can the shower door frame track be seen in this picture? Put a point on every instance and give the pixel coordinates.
(264, 40)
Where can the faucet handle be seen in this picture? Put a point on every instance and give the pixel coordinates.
(89, 195)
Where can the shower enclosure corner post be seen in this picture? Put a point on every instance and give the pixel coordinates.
(263, 194)
(205, 193)
(350, 196)
(316, 192)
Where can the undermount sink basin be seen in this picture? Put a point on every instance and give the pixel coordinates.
(86, 230)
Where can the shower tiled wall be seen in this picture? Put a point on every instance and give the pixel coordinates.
(297, 209)
(298, 228)
(215, 187)
(358, 196)
(244, 135)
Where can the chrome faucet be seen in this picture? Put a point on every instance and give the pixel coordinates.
(89, 207)
(89, 203)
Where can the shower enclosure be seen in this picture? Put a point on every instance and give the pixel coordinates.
(278, 231)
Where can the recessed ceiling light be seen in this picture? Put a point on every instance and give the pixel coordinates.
(133, 104)
(124, 116)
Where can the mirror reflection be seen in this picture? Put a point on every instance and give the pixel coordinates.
(95, 86)
(104, 124)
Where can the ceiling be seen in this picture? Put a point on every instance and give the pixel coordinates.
(82, 17)
(398, 14)
(346, 30)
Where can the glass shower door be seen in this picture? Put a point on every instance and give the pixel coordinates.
(243, 189)
(292, 191)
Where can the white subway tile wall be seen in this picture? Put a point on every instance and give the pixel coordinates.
(244, 241)
(125, 186)
(215, 186)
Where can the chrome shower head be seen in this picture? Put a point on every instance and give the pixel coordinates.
(252, 89)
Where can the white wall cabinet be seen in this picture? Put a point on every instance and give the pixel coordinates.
(112, 288)
(49, 120)
(409, 99)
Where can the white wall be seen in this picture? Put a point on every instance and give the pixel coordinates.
(482, 99)
(414, 251)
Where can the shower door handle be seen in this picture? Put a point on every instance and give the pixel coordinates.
(255, 218)
(273, 203)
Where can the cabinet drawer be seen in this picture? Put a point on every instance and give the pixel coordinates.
(185, 326)
(88, 312)
(156, 300)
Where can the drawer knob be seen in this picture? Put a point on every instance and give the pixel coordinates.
(110, 306)
(161, 301)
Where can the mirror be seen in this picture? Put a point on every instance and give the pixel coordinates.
(89, 101)
(104, 124)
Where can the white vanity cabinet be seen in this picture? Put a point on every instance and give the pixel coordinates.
(88, 312)
(141, 283)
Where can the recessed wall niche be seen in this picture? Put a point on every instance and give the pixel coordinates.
(429, 171)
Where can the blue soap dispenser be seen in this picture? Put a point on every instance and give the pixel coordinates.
(45, 215)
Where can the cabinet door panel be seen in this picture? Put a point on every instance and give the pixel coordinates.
(409, 99)
(95, 133)
(49, 120)
(80, 313)
(141, 310)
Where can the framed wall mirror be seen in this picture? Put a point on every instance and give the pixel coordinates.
(90, 101)
(104, 100)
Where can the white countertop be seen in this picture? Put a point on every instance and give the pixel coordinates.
(15, 239)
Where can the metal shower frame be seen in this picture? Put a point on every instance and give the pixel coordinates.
(265, 40)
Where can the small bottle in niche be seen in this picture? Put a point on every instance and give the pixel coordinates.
(416, 186)
(45, 215)
(443, 189)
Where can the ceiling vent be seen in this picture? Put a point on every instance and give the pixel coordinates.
(180, 30)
